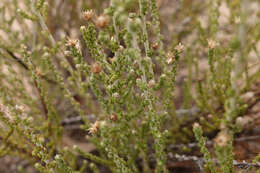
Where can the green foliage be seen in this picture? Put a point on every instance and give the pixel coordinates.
(202, 144)
(113, 63)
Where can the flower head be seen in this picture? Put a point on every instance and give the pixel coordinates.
(237, 20)
(94, 128)
(38, 72)
(222, 139)
(155, 45)
(87, 15)
(170, 58)
(96, 68)
(113, 117)
(179, 48)
(72, 42)
(212, 43)
(115, 95)
(151, 83)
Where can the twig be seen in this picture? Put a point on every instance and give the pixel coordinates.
(19, 61)
(78, 120)
(200, 160)
(192, 145)
(246, 165)
(44, 107)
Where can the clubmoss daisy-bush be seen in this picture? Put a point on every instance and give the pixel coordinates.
(109, 70)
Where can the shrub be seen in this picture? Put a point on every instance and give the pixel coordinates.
(107, 65)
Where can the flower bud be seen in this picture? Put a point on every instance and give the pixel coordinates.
(116, 95)
(101, 21)
(38, 72)
(78, 66)
(113, 117)
(155, 45)
(196, 125)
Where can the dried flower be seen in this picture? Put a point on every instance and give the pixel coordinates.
(87, 15)
(96, 68)
(170, 58)
(196, 125)
(78, 66)
(94, 128)
(210, 116)
(131, 71)
(134, 132)
(155, 45)
(116, 95)
(179, 48)
(212, 43)
(38, 72)
(113, 117)
(72, 42)
(151, 83)
(222, 139)
(102, 21)
(237, 20)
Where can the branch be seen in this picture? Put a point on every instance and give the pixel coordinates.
(209, 143)
(242, 165)
(19, 61)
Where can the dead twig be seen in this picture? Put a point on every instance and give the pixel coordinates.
(200, 161)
